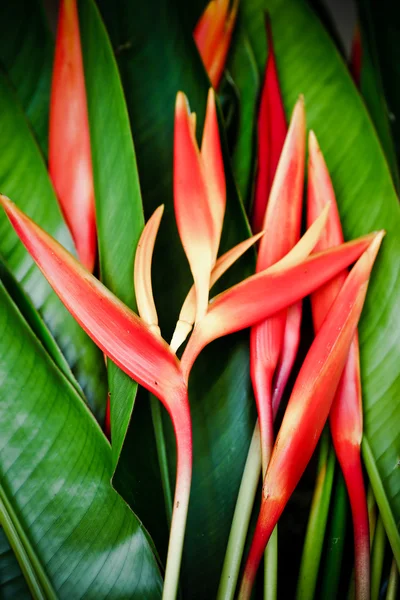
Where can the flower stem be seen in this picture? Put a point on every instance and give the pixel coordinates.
(156, 416)
(336, 539)
(377, 556)
(241, 519)
(271, 567)
(393, 583)
(316, 527)
(183, 432)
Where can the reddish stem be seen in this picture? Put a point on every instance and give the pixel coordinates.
(349, 458)
(183, 433)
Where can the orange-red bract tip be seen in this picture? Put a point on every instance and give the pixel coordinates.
(213, 34)
(70, 162)
(118, 331)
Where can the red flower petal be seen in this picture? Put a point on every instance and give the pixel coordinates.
(70, 161)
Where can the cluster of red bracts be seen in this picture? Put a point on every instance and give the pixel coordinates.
(288, 269)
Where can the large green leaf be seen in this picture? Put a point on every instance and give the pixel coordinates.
(26, 52)
(119, 210)
(381, 30)
(243, 70)
(73, 531)
(153, 68)
(120, 220)
(12, 582)
(371, 88)
(310, 64)
(24, 179)
(35, 322)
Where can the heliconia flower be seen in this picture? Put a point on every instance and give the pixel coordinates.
(187, 316)
(199, 194)
(142, 271)
(282, 230)
(309, 406)
(272, 130)
(263, 294)
(70, 162)
(213, 34)
(346, 418)
(130, 343)
(356, 56)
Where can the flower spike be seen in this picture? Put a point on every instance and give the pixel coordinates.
(130, 343)
(70, 161)
(346, 418)
(282, 231)
(142, 271)
(263, 294)
(194, 219)
(272, 129)
(309, 406)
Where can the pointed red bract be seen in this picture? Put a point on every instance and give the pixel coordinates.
(309, 407)
(272, 129)
(118, 331)
(346, 419)
(194, 219)
(264, 294)
(70, 162)
(282, 230)
(211, 155)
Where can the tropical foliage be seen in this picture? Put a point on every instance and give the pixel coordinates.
(176, 180)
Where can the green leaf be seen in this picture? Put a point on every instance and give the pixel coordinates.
(243, 70)
(381, 29)
(367, 201)
(24, 179)
(12, 582)
(371, 87)
(26, 53)
(69, 527)
(153, 68)
(120, 221)
(35, 322)
(119, 210)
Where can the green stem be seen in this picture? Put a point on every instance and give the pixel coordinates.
(336, 539)
(156, 416)
(31, 567)
(378, 553)
(382, 500)
(241, 519)
(315, 534)
(271, 567)
(393, 583)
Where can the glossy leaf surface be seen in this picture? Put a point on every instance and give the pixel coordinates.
(55, 468)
